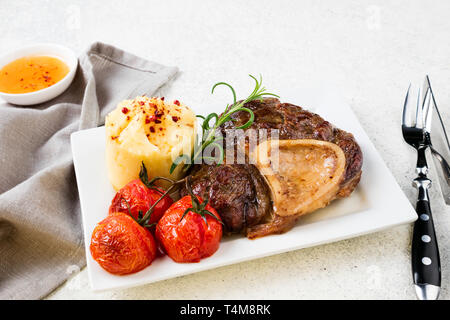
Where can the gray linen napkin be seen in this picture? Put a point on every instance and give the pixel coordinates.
(41, 241)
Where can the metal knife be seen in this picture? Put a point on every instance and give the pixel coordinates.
(439, 145)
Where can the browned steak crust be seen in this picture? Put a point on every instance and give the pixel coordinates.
(238, 192)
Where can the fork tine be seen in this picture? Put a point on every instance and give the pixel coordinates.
(419, 111)
(427, 106)
(405, 108)
(427, 112)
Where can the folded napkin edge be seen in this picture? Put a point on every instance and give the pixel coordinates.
(126, 59)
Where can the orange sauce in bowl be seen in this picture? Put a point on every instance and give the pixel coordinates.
(32, 73)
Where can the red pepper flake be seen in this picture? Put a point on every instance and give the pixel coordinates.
(176, 102)
(157, 121)
(158, 113)
(152, 105)
(162, 98)
(147, 135)
(175, 119)
(152, 129)
(141, 103)
(125, 110)
(149, 119)
(21, 79)
(128, 118)
(114, 137)
(160, 129)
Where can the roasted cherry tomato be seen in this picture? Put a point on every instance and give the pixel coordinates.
(121, 246)
(191, 238)
(139, 197)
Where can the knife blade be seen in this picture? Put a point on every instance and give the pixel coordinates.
(438, 140)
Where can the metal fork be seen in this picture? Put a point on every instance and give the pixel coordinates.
(425, 261)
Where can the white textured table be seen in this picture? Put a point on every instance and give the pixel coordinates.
(371, 50)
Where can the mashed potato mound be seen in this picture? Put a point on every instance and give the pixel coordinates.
(149, 130)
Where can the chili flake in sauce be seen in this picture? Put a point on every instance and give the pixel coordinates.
(31, 73)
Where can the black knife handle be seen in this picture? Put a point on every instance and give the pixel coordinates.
(426, 264)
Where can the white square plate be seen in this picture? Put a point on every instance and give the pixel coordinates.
(376, 204)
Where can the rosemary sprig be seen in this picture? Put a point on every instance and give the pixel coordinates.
(197, 207)
(209, 131)
(151, 185)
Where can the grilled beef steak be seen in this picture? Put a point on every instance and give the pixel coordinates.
(240, 193)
